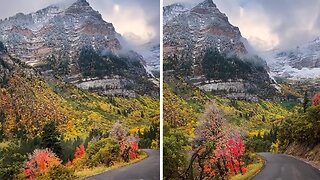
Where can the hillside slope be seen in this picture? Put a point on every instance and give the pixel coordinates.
(28, 102)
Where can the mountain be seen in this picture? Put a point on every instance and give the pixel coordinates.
(301, 62)
(172, 11)
(34, 36)
(203, 47)
(53, 40)
(151, 54)
(201, 27)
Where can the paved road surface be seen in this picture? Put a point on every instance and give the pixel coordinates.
(147, 169)
(282, 167)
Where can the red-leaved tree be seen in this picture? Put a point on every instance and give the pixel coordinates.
(219, 148)
(129, 148)
(40, 161)
(316, 99)
(128, 144)
(133, 153)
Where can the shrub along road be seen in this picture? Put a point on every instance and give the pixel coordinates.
(282, 167)
(147, 169)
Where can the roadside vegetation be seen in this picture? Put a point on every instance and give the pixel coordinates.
(207, 136)
(53, 158)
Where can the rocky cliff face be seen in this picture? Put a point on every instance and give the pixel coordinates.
(53, 38)
(197, 29)
(55, 29)
(10, 66)
(302, 62)
(194, 37)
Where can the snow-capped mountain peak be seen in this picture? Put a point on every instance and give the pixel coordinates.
(205, 4)
(56, 37)
(172, 11)
(32, 37)
(301, 62)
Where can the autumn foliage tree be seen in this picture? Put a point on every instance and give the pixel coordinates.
(177, 112)
(316, 99)
(129, 148)
(79, 154)
(219, 148)
(128, 144)
(133, 153)
(40, 161)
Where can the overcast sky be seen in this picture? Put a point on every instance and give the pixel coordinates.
(135, 19)
(270, 24)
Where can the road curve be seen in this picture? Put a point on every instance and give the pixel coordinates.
(283, 167)
(147, 169)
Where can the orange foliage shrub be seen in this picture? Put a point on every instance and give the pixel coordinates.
(40, 161)
(78, 155)
(80, 152)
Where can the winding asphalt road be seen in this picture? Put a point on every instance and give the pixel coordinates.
(283, 167)
(147, 169)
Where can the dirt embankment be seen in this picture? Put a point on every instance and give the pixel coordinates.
(308, 153)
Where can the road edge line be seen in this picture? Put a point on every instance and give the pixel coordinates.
(124, 165)
(263, 166)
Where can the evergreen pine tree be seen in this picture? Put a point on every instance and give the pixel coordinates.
(51, 138)
(305, 101)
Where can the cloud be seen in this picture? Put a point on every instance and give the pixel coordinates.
(273, 23)
(139, 18)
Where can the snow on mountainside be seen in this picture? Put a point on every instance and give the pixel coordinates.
(198, 28)
(151, 55)
(302, 62)
(171, 11)
(192, 36)
(32, 37)
(67, 31)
